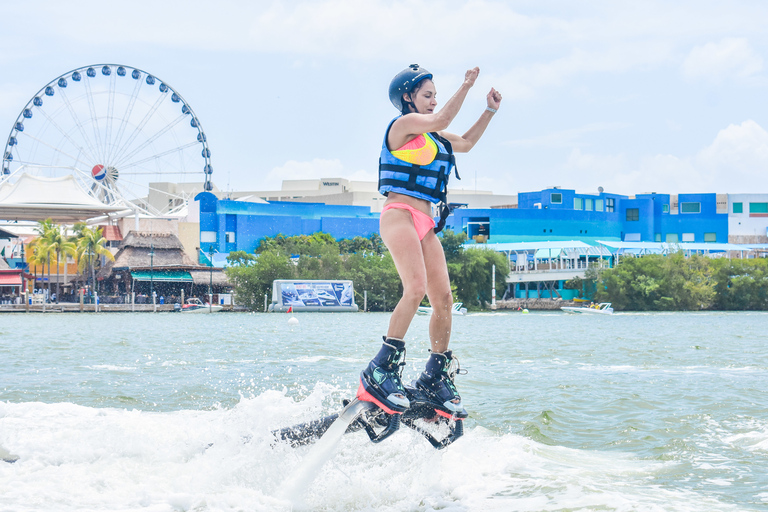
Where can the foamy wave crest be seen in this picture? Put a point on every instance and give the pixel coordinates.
(756, 440)
(81, 458)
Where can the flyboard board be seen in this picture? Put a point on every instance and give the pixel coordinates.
(363, 414)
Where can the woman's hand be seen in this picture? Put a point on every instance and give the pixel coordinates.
(471, 75)
(494, 99)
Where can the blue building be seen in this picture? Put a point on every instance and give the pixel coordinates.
(655, 218)
(227, 225)
(551, 214)
(557, 214)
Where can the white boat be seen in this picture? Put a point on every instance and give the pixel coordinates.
(604, 308)
(195, 305)
(457, 309)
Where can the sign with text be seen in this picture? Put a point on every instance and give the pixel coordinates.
(311, 295)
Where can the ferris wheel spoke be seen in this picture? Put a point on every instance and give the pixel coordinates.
(155, 157)
(50, 146)
(94, 119)
(137, 130)
(114, 196)
(92, 149)
(110, 114)
(127, 113)
(153, 138)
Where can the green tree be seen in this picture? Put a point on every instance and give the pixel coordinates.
(453, 244)
(364, 261)
(471, 272)
(253, 276)
(59, 244)
(658, 283)
(741, 285)
(361, 245)
(375, 274)
(90, 247)
(326, 265)
(41, 248)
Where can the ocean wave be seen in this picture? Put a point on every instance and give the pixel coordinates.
(227, 459)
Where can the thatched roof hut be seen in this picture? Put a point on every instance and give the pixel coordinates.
(161, 256)
(135, 252)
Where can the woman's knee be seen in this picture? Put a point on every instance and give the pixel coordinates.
(414, 291)
(442, 299)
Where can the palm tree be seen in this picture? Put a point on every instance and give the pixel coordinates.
(59, 244)
(37, 255)
(90, 246)
(41, 246)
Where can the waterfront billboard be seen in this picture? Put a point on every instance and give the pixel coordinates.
(312, 295)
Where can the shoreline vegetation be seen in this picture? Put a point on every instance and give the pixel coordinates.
(365, 261)
(647, 283)
(676, 283)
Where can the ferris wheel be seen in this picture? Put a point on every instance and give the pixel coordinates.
(128, 137)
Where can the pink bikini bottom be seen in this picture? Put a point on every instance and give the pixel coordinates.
(421, 221)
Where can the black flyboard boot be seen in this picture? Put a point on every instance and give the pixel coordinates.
(380, 381)
(437, 384)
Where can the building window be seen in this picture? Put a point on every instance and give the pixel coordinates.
(230, 237)
(672, 238)
(588, 204)
(665, 208)
(556, 198)
(633, 214)
(710, 237)
(208, 237)
(689, 237)
(758, 209)
(479, 227)
(610, 204)
(690, 207)
(738, 207)
(578, 203)
(657, 237)
(598, 205)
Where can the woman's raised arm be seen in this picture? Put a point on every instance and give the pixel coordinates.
(411, 125)
(463, 143)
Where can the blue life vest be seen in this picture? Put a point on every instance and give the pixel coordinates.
(422, 181)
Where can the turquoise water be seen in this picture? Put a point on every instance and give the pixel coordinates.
(568, 412)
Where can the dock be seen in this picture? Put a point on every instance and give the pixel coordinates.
(75, 307)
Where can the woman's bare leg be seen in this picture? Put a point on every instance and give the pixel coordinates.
(439, 293)
(399, 235)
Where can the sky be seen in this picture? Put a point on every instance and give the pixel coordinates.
(651, 96)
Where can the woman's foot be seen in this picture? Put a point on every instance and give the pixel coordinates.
(437, 381)
(380, 381)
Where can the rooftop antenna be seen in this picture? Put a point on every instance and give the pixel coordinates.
(600, 189)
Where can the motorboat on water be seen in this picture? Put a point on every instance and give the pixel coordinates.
(195, 305)
(457, 309)
(604, 308)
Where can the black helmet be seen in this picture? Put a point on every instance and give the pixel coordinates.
(404, 82)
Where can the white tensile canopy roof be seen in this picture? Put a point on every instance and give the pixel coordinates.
(61, 199)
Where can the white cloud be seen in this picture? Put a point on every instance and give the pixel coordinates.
(566, 138)
(717, 62)
(735, 162)
(738, 156)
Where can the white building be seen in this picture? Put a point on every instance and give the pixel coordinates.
(748, 218)
(361, 193)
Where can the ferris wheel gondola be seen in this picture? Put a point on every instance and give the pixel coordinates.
(129, 138)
